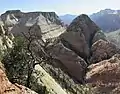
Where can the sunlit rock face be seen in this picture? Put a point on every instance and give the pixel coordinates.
(6, 40)
(46, 24)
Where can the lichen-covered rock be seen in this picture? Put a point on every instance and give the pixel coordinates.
(105, 76)
(6, 87)
(102, 50)
(74, 64)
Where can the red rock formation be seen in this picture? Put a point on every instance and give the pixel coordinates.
(102, 50)
(105, 76)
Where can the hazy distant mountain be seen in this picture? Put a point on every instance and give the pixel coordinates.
(114, 37)
(107, 20)
(67, 18)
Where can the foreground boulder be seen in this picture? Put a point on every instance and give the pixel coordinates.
(6, 87)
(74, 64)
(102, 50)
(105, 76)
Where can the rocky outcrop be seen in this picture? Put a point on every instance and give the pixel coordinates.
(6, 87)
(74, 64)
(42, 78)
(105, 76)
(5, 39)
(84, 25)
(80, 35)
(102, 50)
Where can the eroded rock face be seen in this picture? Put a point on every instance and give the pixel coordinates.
(74, 64)
(105, 76)
(6, 87)
(46, 24)
(102, 50)
(84, 25)
(79, 35)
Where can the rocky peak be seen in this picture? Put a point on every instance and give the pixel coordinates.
(84, 25)
(80, 35)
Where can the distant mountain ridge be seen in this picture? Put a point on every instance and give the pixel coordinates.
(67, 18)
(108, 20)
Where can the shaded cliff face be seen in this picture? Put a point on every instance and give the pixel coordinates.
(84, 25)
(80, 36)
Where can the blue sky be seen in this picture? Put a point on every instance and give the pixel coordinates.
(59, 6)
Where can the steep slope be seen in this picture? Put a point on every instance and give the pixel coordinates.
(79, 36)
(108, 20)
